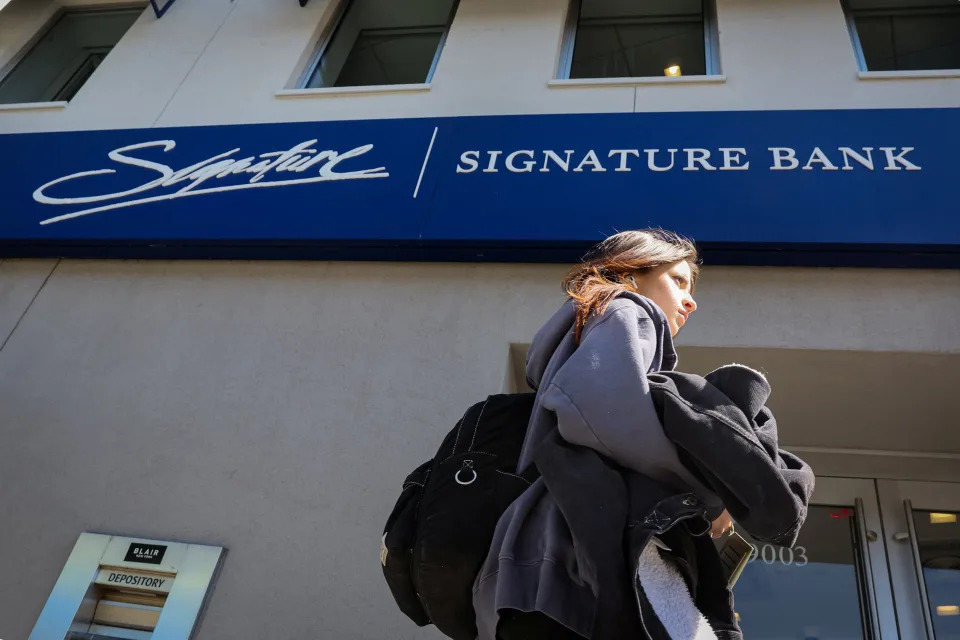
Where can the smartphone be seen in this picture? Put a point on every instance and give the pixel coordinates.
(735, 553)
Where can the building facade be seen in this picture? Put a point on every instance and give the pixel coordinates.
(256, 258)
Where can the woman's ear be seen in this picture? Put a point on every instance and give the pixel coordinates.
(633, 281)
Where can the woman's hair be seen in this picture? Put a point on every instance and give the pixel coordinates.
(602, 274)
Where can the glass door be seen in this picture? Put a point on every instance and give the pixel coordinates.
(923, 540)
(833, 584)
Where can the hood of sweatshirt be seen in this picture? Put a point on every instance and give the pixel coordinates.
(558, 331)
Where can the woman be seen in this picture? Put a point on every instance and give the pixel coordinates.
(589, 364)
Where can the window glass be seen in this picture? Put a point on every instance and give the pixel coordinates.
(66, 55)
(637, 38)
(905, 35)
(812, 590)
(383, 42)
(938, 542)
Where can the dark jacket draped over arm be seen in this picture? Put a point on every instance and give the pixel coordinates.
(728, 436)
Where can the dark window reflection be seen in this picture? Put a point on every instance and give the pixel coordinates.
(633, 50)
(401, 56)
(65, 57)
(908, 34)
(383, 42)
(938, 539)
(617, 39)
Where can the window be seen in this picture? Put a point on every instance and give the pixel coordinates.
(905, 35)
(640, 38)
(382, 42)
(66, 55)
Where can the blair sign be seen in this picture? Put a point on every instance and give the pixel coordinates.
(872, 187)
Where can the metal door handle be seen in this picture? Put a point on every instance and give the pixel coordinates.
(866, 536)
(901, 536)
(911, 536)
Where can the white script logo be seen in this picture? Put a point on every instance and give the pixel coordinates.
(296, 160)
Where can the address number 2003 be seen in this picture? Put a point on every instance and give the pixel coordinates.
(770, 554)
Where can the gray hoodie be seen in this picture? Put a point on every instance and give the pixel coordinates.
(597, 395)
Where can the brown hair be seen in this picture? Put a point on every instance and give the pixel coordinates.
(602, 274)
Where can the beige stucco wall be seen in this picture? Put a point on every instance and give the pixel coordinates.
(215, 62)
(274, 407)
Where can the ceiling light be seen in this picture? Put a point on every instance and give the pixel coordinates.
(673, 71)
(943, 518)
(948, 610)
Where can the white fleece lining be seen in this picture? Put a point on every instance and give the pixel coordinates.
(667, 593)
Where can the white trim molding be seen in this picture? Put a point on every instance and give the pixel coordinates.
(322, 92)
(632, 82)
(924, 74)
(878, 463)
(34, 106)
(933, 455)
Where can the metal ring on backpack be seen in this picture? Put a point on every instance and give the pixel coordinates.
(470, 481)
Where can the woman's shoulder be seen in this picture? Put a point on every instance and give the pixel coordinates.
(640, 316)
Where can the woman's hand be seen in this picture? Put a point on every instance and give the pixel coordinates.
(721, 525)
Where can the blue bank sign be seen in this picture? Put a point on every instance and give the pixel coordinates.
(782, 187)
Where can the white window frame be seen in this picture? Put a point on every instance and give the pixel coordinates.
(848, 13)
(711, 39)
(55, 13)
(330, 32)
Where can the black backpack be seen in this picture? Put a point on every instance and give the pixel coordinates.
(440, 530)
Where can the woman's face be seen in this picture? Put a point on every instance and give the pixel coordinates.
(669, 287)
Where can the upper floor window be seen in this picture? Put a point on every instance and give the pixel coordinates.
(382, 42)
(640, 38)
(905, 35)
(66, 55)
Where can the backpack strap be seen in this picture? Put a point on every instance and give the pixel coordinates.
(418, 476)
(467, 431)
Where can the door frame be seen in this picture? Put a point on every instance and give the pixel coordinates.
(862, 494)
(897, 499)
